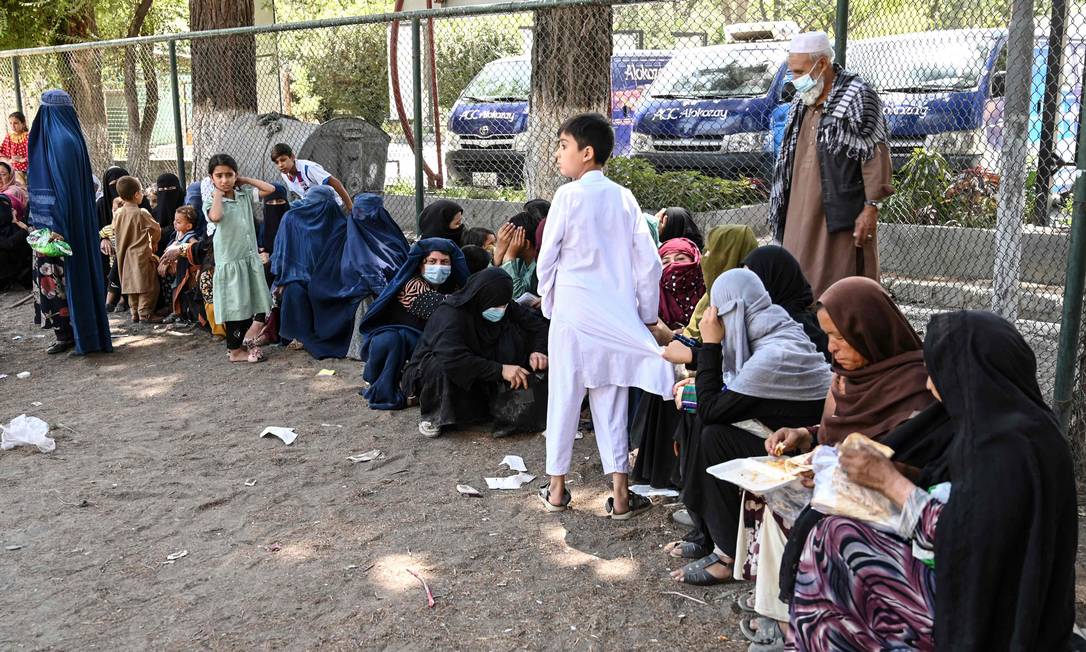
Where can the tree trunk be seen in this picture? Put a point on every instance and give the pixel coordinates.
(1012, 182)
(223, 74)
(81, 75)
(140, 127)
(571, 74)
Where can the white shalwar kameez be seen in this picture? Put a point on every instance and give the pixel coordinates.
(599, 278)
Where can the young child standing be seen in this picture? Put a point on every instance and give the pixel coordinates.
(137, 235)
(300, 175)
(241, 299)
(599, 277)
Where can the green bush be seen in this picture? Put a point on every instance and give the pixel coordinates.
(928, 192)
(357, 83)
(405, 187)
(693, 191)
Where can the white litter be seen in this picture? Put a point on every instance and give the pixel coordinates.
(468, 490)
(368, 456)
(12, 548)
(171, 558)
(23, 375)
(510, 482)
(250, 483)
(36, 403)
(648, 491)
(515, 463)
(3, 376)
(286, 434)
(330, 425)
(26, 431)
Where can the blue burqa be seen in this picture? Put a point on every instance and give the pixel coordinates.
(61, 189)
(195, 199)
(327, 264)
(386, 347)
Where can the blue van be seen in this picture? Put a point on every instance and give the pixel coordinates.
(710, 109)
(490, 119)
(943, 91)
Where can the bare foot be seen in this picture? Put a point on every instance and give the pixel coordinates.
(238, 355)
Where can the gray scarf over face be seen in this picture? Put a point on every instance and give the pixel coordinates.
(766, 353)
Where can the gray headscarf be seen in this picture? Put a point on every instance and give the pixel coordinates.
(766, 353)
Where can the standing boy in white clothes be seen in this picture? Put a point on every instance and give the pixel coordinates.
(300, 175)
(599, 278)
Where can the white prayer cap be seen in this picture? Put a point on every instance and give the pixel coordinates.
(810, 43)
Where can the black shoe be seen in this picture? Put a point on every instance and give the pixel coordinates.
(59, 347)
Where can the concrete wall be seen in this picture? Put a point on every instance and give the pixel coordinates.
(944, 254)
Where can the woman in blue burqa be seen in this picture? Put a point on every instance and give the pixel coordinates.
(392, 326)
(71, 289)
(327, 265)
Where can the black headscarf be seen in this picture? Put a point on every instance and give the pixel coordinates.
(273, 216)
(529, 223)
(1006, 541)
(788, 288)
(471, 348)
(104, 204)
(680, 224)
(168, 203)
(435, 219)
(537, 208)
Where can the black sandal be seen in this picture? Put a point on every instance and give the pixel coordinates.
(638, 505)
(688, 550)
(695, 574)
(545, 496)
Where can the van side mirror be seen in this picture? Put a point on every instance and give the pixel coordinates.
(788, 93)
(999, 83)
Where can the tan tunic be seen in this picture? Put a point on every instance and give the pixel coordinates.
(137, 236)
(825, 257)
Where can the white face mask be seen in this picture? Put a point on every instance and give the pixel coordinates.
(808, 88)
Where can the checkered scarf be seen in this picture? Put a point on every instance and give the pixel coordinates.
(852, 123)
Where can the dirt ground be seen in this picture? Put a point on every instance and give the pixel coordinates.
(157, 446)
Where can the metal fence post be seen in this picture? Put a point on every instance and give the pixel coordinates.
(1071, 321)
(178, 135)
(840, 33)
(18, 84)
(416, 101)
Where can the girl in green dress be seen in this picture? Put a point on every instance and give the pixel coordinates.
(241, 297)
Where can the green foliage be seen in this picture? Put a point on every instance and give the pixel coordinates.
(929, 192)
(406, 187)
(464, 46)
(695, 192)
(357, 83)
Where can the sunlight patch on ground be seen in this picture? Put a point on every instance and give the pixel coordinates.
(390, 572)
(567, 556)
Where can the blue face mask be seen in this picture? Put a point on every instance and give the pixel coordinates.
(494, 314)
(436, 274)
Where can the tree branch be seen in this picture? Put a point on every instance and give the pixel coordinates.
(142, 9)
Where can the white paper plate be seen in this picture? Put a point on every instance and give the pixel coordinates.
(752, 474)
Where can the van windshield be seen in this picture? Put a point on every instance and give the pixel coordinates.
(741, 72)
(924, 62)
(501, 81)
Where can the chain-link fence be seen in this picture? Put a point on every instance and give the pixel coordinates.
(982, 101)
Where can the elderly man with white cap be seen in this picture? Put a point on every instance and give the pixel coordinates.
(833, 170)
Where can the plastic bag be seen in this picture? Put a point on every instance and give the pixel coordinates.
(788, 501)
(40, 242)
(835, 494)
(26, 431)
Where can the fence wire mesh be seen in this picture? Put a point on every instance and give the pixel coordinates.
(981, 99)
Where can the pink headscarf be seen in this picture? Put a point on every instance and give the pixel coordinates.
(681, 284)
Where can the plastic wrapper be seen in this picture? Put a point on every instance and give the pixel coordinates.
(39, 241)
(26, 431)
(788, 501)
(835, 494)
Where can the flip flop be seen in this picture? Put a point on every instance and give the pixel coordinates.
(638, 505)
(768, 631)
(695, 573)
(256, 355)
(545, 496)
(687, 550)
(746, 602)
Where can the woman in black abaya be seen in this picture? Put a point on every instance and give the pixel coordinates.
(477, 347)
